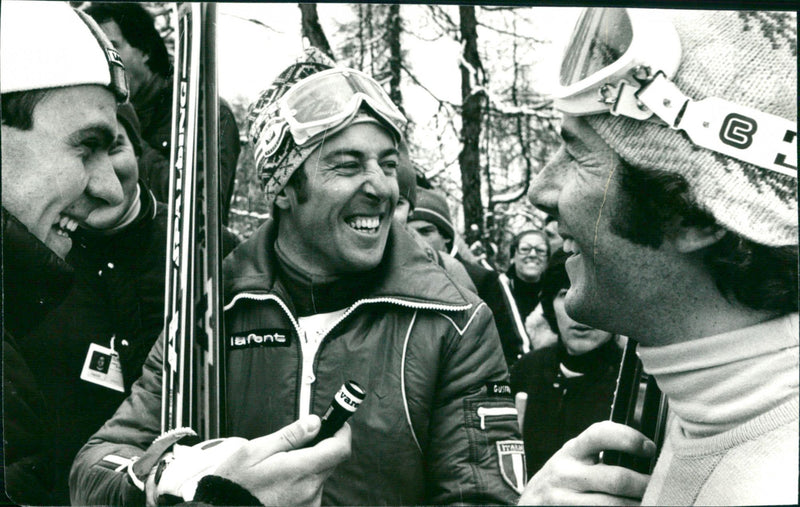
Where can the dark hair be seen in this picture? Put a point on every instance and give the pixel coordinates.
(299, 181)
(757, 276)
(553, 280)
(138, 28)
(522, 234)
(18, 107)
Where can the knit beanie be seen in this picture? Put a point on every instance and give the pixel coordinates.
(277, 156)
(432, 207)
(51, 45)
(749, 58)
(266, 126)
(126, 115)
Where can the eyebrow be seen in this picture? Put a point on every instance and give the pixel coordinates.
(101, 131)
(344, 152)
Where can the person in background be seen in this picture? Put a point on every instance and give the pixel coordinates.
(431, 220)
(407, 185)
(569, 384)
(679, 215)
(326, 291)
(521, 284)
(131, 29)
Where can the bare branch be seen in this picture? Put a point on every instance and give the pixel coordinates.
(513, 34)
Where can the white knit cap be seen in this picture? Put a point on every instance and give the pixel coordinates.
(749, 58)
(50, 45)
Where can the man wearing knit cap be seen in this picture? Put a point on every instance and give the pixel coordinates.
(679, 212)
(431, 221)
(328, 291)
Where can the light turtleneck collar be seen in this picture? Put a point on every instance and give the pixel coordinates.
(717, 383)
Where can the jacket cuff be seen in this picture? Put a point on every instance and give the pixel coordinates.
(217, 490)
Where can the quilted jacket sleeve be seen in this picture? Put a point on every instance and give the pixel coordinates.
(474, 451)
(98, 474)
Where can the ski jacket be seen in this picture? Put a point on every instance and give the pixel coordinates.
(35, 280)
(437, 426)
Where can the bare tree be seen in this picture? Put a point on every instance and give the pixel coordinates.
(473, 97)
(394, 28)
(312, 30)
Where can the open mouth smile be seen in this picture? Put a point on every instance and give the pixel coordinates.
(364, 224)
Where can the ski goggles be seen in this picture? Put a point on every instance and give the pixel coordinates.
(329, 99)
(621, 61)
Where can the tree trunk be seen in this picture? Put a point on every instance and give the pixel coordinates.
(313, 30)
(472, 100)
(395, 55)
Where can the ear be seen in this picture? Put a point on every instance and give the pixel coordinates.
(286, 198)
(689, 238)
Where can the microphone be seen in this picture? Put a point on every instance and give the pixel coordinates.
(344, 404)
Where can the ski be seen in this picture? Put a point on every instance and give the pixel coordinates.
(192, 377)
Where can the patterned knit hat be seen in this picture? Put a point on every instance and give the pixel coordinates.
(749, 58)
(432, 207)
(266, 124)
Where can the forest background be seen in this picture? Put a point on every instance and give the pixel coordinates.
(472, 80)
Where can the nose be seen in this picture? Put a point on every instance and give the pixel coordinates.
(545, 187)
(378, 185)
(104, 186)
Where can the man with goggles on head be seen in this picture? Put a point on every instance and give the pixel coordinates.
(675, 193)
(327, 291)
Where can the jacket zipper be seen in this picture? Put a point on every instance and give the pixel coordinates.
(484, 412)
(307, 367)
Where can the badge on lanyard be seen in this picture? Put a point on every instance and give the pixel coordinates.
(102, 367)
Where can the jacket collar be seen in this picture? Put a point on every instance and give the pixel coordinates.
(129, 237)
(35, 279)
(410, 276)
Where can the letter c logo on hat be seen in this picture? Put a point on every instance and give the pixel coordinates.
(738, 130)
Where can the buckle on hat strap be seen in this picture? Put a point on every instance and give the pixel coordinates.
(722, 126)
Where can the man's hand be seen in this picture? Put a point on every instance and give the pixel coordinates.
(276, 470)
(574, 476)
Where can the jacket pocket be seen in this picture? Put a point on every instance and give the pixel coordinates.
(495, 447)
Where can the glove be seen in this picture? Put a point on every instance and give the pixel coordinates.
(176, 475)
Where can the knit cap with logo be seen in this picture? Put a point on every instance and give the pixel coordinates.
(749, 58)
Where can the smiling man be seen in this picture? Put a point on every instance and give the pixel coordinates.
(679, 212)
(351, 298)
(58, 124)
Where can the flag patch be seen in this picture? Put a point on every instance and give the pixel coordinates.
(511, 458)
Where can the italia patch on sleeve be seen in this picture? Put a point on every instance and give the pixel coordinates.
(511, 458)
(263, 337)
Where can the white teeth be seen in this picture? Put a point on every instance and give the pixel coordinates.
(364, 222)
(67, 224)
(570, 246)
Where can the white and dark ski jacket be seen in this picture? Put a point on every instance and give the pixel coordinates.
(438, 424)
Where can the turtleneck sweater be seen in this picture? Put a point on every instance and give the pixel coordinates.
(733, 432)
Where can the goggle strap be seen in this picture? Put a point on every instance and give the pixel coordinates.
(116, 69)
(740, 132)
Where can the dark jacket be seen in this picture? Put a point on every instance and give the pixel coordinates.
(153, 104)
(487, 282)
(560, 408)
(34, 281)
(426, 351)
